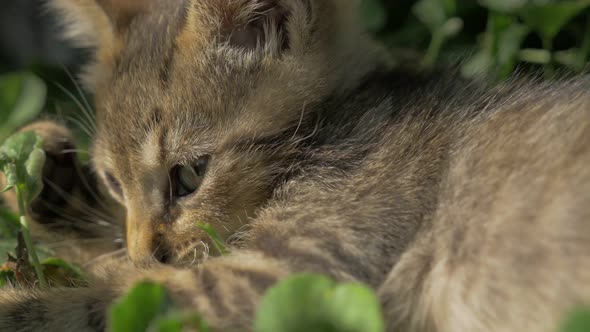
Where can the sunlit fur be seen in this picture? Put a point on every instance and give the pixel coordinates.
(466, 207)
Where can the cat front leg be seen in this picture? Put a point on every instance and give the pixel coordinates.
(224, 290)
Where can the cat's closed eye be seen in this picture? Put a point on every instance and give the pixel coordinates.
(188, 179)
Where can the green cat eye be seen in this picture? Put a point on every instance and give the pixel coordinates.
(188, 178)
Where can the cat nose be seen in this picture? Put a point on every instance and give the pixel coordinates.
(145, 245)
(161, 253)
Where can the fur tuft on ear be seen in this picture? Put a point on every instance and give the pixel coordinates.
(256, 24)
(96, 24)
(264, 23)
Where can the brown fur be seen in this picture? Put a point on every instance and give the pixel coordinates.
(466, 208)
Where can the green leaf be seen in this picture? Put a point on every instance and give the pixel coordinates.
(22, 97)
(482, 62)
(177, 322)
(7, 246)
(11, 175)
(136, 310)
(317, 303)
(294, 305)
(169, 324)
(510, 40)
(354, 307)
(503, 6)
(450, 6)
(452, 27)
(63, 273)
(548, 19)
(373, 15)
(34, 170)
(7, 277)
(10, 89)
(536, 56)
(430, 12)
(578, 321)
(21, 160)
(9, 224)
(570, 58)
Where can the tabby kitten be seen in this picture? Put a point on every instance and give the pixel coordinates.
(282, 124)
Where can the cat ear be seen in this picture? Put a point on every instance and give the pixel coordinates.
(260, 24)
(96, 24)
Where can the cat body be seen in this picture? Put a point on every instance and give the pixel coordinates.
(467, 208)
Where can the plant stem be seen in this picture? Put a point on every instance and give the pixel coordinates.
(27, 237)
(218, 243)
(434, 48)
(585, 48)
(548, 68)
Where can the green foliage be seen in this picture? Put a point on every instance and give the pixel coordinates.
(438, 16)
(61, 273)
(22, 96)
(9, 225)
(373, 14)
(147, 307)
(317, 303)
(21, 161)
(548, 19)
(142, 305)
(578, 321)
(551, 34)
(300, 303)
(7, 276)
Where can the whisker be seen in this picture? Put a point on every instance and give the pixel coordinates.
(65, 220)
(153, 256)
(69, 197)
(80, 125)
(206, 251)
(105, 256)
(92, 191)
(78, 241)
(83, 123)
(80, 92)
(85, 112)
(300, 121)
(68, 151)
(194, 257)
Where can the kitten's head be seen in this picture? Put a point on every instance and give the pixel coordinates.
(199, 103)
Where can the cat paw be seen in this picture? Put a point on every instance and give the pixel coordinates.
(61, 172)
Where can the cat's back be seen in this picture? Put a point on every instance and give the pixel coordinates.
(507, 217)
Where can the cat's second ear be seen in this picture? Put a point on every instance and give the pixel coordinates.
(95, 22)
(98, 24)
(257, 24)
